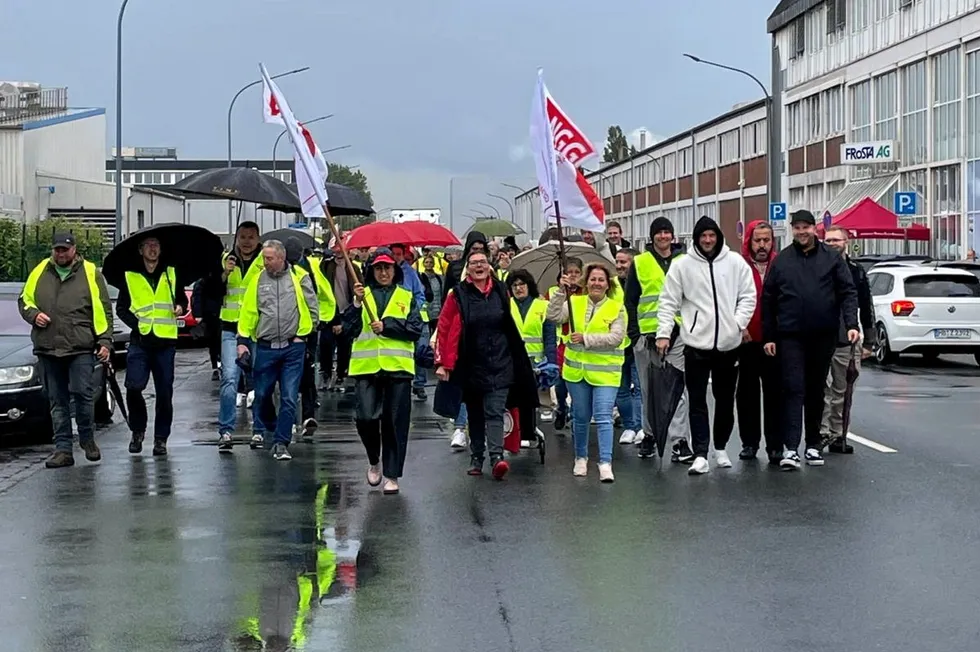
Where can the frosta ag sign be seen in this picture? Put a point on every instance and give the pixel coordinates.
(879, 151)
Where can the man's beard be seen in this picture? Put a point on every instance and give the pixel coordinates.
(760, 256)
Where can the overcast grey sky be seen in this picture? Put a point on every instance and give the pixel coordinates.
(422, 91)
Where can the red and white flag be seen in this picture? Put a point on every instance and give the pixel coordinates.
(311, 168)
(559, 145)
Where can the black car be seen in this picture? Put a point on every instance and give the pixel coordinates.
(23, 405)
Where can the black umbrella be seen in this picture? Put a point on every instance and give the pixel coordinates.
(306, 240)
(666, 384)
(116, 390)
(192, 251)
(240, 184)
(342, 200)
(850, 377)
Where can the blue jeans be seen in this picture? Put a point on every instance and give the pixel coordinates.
(142, 362)
(70, 380)
(421, 375)
(284, 366)
(589, 402)
(629, 400)
(461, 418)
(230, 373)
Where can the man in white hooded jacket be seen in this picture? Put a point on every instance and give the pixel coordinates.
(714, 293)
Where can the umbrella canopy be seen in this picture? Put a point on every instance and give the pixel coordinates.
(306, 240)
(543, 262)
(868, 219)
(341, 200)
(192, 251)
(240, 184)
(666, 384)
(494, 228)
(414, 234)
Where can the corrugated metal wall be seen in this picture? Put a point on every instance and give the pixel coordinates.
(73, 149)
(11, 163)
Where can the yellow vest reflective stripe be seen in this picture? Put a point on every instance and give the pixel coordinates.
(248, 321)
(532, 327)
(324, 291)
(154, 309)
(651, 277)
(373, 353)
(232, 305)
(597, 368)
(502, 274)
(100, 322)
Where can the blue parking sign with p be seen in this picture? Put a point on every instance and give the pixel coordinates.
(905, 203)
(777, 212)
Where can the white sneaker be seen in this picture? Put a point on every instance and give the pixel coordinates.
(699, 467)
(722, 460)
(239, 400)
(640, 436)
(605, 472)
(547, 415)
(628, 437)
(458, 442)
(525, 443)
(581, 468)
(250, 399)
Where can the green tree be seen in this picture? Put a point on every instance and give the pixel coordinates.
(23, 246)
(345, 176)
(617, 147)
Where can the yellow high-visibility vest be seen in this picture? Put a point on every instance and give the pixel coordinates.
(531, 327)
(231, 307)
(597, 368)
(502, 274)
(651, 277)
(154, 308)
(99, 321)
(324, 291)
(248, 321)
(373, 353)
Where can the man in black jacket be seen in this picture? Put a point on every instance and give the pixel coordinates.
(832, 428)
(807, 293)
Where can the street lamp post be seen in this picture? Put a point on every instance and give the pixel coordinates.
(510, 207)
(119, 32)
(527, 227)
(232, 106)
(772, 146)
(283, 133)
(491, 207)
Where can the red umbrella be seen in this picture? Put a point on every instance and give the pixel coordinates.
(418, 234)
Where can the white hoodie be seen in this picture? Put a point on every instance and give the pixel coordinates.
(715, 299)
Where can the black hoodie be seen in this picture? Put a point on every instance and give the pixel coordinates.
(454, 270)
(703, 225)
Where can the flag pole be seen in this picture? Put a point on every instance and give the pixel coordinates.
(351, 271)
(562, 260)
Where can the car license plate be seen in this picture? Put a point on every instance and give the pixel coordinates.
(181, 323)
(952, 333)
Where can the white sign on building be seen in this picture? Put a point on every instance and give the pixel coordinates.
(878, 151)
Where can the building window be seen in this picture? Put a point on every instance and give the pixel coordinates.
(110, 177)
(886, 106)
(684, 223)
(946, 210)
(670, 167)
(812, 118)
(799, 36)
(973, 105)
(859, 18)
(814, 31)
(794, 121)
(915, 110)
(728, 146)
(885, 8)
(127, 177)
(946, 105)
(707, 155)
(656, 171)
(915, 181)
(137, 177)
(709, 209)
(832, 115)
(861, 112)
(836, 15)
(686, 164)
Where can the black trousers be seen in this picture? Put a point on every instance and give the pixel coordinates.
(328, 342)
(721, 367)
(212, 335)
(307, 384)
(804, 365)
(485, 412)
(758, 373)
(383, 416)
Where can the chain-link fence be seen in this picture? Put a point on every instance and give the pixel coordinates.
(23, 246)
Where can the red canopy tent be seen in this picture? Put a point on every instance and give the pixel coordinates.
(868, 219)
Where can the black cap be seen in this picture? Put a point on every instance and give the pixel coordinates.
(63, 240)
(802, 215)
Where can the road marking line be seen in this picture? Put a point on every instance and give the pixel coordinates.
(881, 448)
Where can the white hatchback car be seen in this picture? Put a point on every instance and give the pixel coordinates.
(925, 309)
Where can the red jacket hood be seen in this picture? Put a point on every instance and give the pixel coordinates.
(755, 325)
(747, 242)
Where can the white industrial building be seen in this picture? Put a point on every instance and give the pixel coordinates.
(52, 162)
(899, 76)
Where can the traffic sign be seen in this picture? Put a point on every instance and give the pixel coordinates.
(777, 212)
(828, 219)
(740, 229)
(905, 203)
(298, 225)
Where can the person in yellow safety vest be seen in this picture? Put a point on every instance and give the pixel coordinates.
(149, 302)
(439, 262)
(327, 303)
(530, 314)
(279, 310)
(238, 269)
(593, 362)
(503, 264)
(433, 282)
(644, 283)
(629, 400)
(66, 302)
(386, 322)
(411, 282)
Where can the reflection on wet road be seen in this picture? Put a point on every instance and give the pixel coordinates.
(201, 552)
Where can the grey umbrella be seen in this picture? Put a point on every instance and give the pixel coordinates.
(240, 184)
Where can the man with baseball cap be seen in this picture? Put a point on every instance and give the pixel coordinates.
(807, 294)
(66, 301)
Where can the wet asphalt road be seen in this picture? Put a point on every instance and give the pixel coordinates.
(875, 551)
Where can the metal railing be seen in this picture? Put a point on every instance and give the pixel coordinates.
(21, 103)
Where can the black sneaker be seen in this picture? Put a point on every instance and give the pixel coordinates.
(813, 457)
(748, 453)
(775, 457)
(840, 447)
(159, 447)
(339, 384)
(136, 443)
(419, 393)
(280, 452)
(681, 453)
(790, 461)
(647, 448)
(92, 452)
(216, 374)
(476, 466)
(561, 418)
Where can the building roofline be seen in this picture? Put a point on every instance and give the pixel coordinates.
(787, 11)
(71, 116)
(186, 165)
(149, 190)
